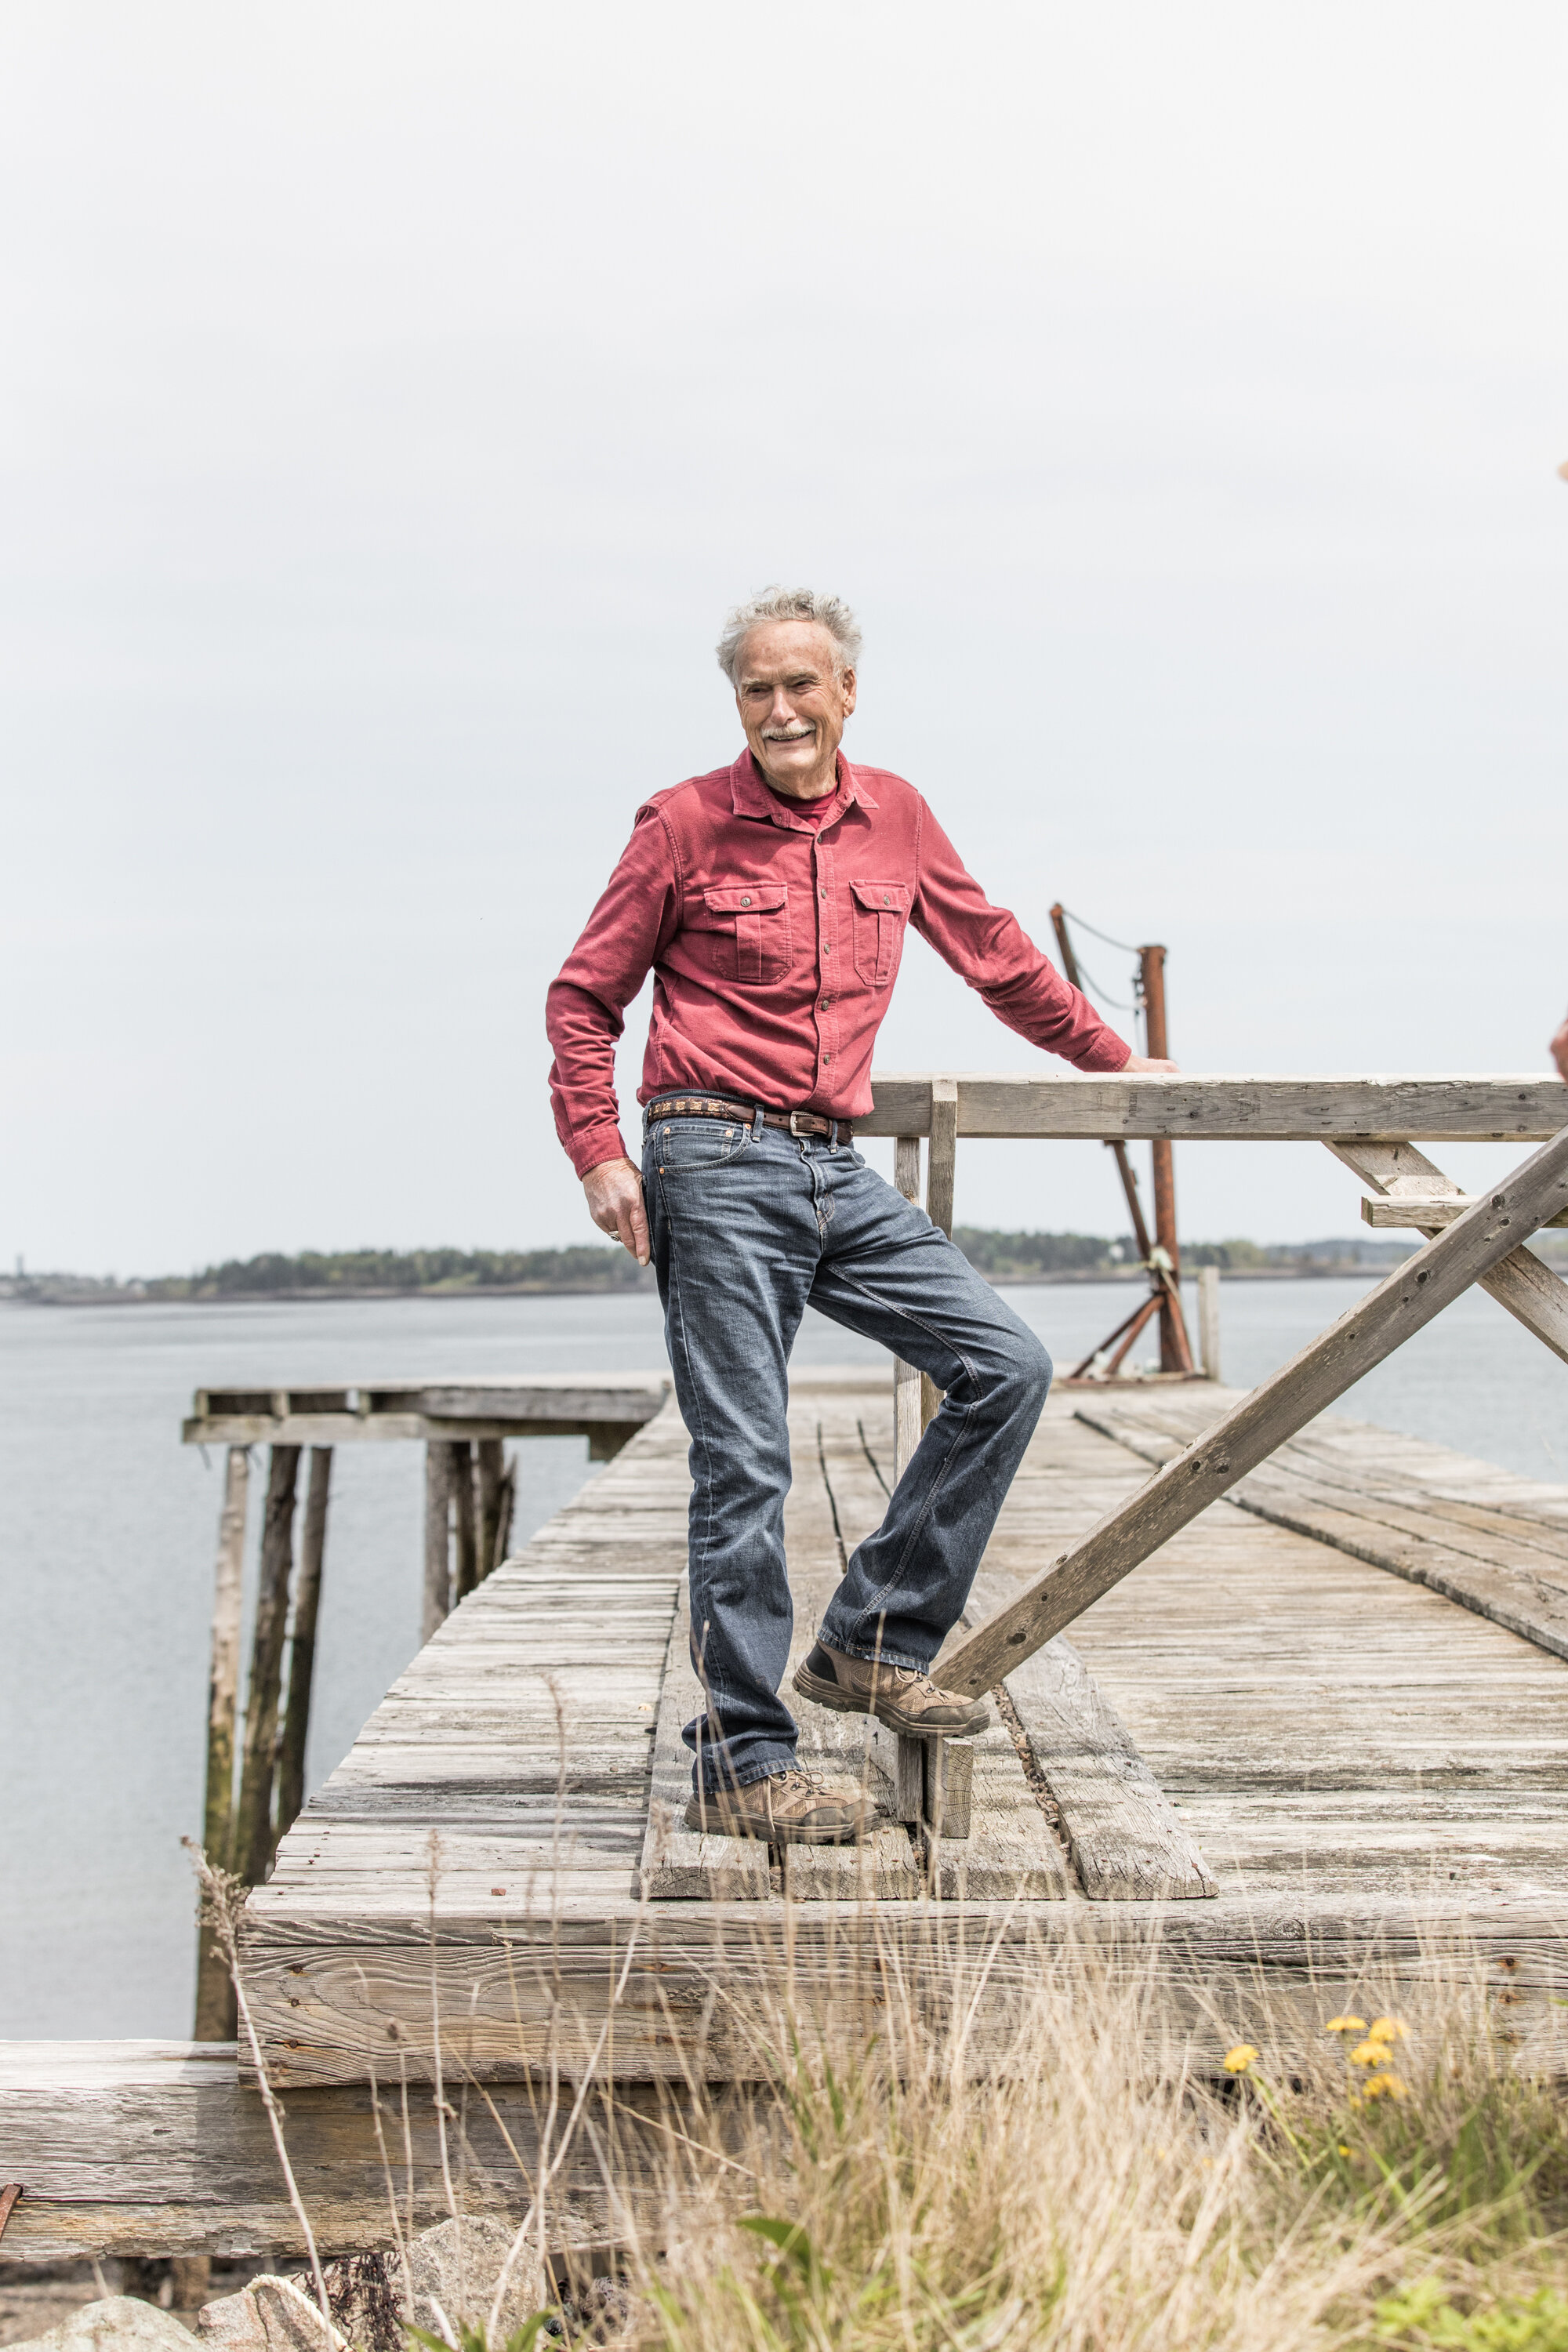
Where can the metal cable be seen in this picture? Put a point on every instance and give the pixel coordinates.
(1091, 987)
(1110, 942)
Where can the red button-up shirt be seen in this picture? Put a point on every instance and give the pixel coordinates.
(775, 943)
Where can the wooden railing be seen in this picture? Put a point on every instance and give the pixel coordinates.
(1222, 1110)
(1372, 1125)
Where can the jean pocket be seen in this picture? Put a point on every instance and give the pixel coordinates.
(678, 1145)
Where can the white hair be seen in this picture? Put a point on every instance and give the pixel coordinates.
(830, 613)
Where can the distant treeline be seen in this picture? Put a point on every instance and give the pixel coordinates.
(392, 1272)
(1036, 1257)
(601, 1266)
(590, 1266)
(1024, 1257)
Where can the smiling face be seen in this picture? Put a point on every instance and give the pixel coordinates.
(793, 701)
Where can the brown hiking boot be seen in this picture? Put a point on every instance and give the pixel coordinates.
(789, 1808)
(900, 1697)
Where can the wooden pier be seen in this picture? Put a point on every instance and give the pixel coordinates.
(1289, 1760)
(1311, 1750)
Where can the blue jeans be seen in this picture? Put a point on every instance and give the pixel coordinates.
(749, 1227)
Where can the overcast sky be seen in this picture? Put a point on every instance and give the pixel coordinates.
(394, 398)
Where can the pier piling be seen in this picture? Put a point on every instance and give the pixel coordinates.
(253, 1829)
(303, 1644)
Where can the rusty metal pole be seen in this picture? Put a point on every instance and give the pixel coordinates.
(1175, 1351)
(1118, 1151)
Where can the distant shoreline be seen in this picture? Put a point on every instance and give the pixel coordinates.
(125, 1296)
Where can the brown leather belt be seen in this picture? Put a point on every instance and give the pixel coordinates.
(795, 1122)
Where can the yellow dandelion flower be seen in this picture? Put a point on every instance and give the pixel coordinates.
(1238, 2060)
(1369, 2053)
(1344, 2149)
(1388, 2029)
(1345, 2025)
(1384, 2085)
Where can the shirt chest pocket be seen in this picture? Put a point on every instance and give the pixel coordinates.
(748, 924)
(882, 911)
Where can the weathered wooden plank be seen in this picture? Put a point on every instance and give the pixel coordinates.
(515, 2000)
(1425, 1213)
(1123, 1835)
(882, 1866)
(1313, 1378)
(1008, 1852)
(941, 1176)
(1526, 1108)
(1521, 1586)
(540, 1404)
(151, 2147)
(676, 1861)
(1521, 1282)
(906, 1377)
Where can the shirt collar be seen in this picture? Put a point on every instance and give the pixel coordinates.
(750, 796)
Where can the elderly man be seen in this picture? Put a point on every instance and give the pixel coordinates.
(770, 899)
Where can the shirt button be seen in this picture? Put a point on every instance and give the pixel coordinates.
(825, 949)
(745, 902)
(825, 894)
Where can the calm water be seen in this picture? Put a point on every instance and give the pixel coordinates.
(108, 1528)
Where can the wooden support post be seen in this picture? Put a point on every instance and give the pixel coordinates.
(438, 1535)
(223, 1687)
(942, 1172)
(253, 1826)
(466, 1565)
(906, 1379)
(899, 1761)
(947, 1786)
(490, 1457)
(213, 2018)
(507, 1507)
(1175, 1353)
(1208, 1318)
(1381, 1322)
(302, 1643)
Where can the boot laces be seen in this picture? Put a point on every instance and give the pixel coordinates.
(911, 1678)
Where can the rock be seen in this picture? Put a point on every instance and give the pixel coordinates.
(271, 2315)
(121, 2323)
(457, 2266)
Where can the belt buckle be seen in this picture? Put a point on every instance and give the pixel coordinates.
(797, 1131)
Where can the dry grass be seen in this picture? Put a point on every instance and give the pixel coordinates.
(1095, 2195)
(1093, 2185)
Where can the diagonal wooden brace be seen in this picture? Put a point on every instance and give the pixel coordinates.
(1463, 1252)
(1521, 1282)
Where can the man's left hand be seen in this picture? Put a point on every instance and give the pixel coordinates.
(1139, 1065)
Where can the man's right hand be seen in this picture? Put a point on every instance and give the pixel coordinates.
(614, 1198)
